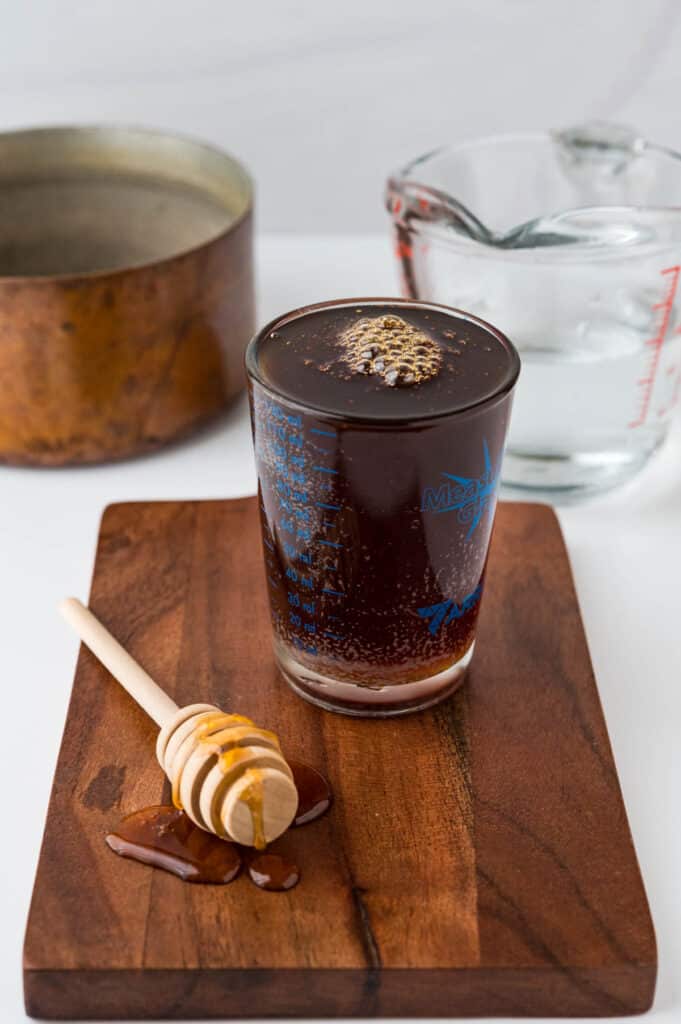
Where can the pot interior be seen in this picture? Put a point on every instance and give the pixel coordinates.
(75, 201)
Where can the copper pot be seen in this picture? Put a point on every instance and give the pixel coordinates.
(126, 290)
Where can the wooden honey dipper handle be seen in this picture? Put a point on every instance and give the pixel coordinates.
(227, 774)
(132, 677)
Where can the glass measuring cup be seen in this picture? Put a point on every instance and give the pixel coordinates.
(571, 241)
(376, 528)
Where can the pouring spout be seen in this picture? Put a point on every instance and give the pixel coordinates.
(542, 190)
(410, 202)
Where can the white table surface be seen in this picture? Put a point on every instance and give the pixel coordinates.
(626, 556)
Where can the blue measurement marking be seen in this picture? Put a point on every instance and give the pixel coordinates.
(444, 612)
(289, 450)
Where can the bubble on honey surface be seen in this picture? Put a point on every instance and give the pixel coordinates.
(392, 349)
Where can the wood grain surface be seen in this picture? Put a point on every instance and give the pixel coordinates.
(477, 859)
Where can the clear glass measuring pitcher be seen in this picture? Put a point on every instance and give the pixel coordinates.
(571, 242)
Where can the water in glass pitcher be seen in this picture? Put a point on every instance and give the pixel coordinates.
(589, 294)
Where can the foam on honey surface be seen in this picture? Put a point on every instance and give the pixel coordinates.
(392, 349)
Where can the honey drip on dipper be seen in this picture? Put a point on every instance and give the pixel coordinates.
(227, 774)
(228, 778)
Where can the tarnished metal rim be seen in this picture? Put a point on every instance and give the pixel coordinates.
(39, 154)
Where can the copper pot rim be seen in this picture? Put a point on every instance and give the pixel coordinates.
(234, 166)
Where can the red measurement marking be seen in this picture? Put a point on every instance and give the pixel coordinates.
(647, 383)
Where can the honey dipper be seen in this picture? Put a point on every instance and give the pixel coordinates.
(227, 774)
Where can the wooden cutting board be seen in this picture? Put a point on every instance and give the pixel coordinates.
(477, 859)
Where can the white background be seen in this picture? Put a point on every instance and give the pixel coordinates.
(321, 99)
